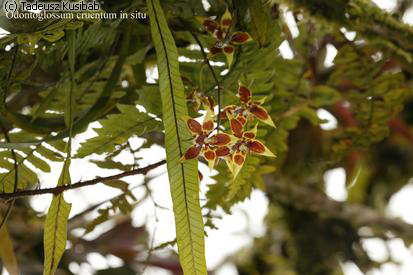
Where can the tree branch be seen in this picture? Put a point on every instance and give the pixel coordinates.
(60, 189)
(358, 215)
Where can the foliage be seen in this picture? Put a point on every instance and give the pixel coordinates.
(107, 92)
(183, 177)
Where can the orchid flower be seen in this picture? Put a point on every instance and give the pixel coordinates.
(246, 143)
(248, 108)
(210, 146)
(226, 40)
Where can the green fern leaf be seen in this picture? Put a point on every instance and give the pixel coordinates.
(183, 177)
(117, 129)
(55, 230)
(55, 233)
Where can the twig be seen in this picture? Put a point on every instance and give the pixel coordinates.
(206, 60)
(62, 188)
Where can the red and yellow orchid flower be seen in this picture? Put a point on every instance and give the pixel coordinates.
(246, 143)
(248, 108)
(226, 40)
(211, 147)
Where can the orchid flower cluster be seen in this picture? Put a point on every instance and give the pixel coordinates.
(225, 39)
(235, 147)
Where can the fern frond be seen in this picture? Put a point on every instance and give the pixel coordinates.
(117, 129)
(183, 177)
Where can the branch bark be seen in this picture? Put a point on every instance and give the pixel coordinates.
(60, 189)
(358, 215)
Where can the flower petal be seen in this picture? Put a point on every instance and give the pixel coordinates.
(262, 114)
(209, 154)
(221, 139)
(191, 153)
(251, 134)
(230, 163)
(228, 109)
(238, 162)
(239, 159)
(208, 123)
(214, 51)
(259, 148)
(260, 101)
(229, 54)
(244, 93)
(226, 21)
(236, 127)
(219, 34)
(222, 151)
(211, 157)
(241, 118)
(240, 38)
(194, 126)
(210, 25)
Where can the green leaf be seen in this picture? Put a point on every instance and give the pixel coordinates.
(103, 217)
(119, 184)
(7, 256)
(55, 233)
(26, 175)
(117, 129)
(259, 22)
(53, 36)
(183, 177)
(149, 98)
(324, 95)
